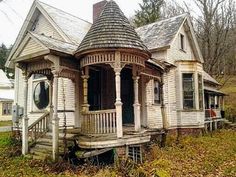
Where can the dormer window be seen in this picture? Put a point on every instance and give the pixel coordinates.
(182, 42)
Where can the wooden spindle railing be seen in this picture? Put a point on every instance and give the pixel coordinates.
(39, 127)
(99, 122)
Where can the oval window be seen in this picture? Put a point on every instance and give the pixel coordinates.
(41, 95)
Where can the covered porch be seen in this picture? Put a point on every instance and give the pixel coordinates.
(114, 88)
(214, 108)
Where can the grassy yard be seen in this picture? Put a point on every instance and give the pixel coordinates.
(204, 156)
(5, 123)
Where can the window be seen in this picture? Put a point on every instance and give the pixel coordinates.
(134, 153)
(200, 91)
(157, 92)
(6, 108)
(188, 91)
(182, 43)
(41, 95)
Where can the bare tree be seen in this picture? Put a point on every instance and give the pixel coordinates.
(215, 31)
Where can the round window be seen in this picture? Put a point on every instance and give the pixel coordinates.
(41, 95)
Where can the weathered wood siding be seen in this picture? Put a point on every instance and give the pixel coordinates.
(33, 112)
(44, 27)
(30, 48)
(170, 97)
(154, 116)
(175, 52)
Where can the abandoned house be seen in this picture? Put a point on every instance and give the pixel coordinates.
(107, 84)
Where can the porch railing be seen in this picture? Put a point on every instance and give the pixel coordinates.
(39, 127)
(212, 114)
(99, 122)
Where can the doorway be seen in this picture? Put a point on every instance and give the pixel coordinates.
(127, 96)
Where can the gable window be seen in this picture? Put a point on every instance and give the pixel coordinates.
(188, 91)
(6, 108)
(182, 42)
(157, 92)
(200, 91)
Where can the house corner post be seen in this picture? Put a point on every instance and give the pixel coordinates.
(136, 105)
(55, 119)
(25, 119)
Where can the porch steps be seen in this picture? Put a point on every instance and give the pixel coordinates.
(43, 147)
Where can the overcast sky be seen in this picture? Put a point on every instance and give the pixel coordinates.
(13, 13)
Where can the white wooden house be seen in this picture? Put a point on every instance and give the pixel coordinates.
(112, 85)
(6, 97)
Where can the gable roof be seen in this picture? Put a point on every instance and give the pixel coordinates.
(71, 28)
(111, 30)
(74, 27)
(161, 33)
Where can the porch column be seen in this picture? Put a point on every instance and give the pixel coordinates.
(136, 105)
(85, 78)
(55, 119)
(118, 103)
(25, 118)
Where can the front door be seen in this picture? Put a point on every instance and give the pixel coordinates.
(127, 96)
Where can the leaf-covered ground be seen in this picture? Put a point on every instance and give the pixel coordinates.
(208, 156)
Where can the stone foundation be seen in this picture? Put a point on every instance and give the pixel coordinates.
(186, 132)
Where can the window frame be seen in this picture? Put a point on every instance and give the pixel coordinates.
(8, 107)
(156, 102)
(182, 42)
(193, 90)
(35, 81)
(200, 91)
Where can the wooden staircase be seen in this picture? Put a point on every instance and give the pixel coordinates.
(42, 148)
(40, 138)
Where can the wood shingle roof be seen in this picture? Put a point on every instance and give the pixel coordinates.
(111, 30)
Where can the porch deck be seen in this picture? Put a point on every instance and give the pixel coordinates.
(130, 137)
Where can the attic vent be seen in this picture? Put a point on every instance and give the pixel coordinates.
(34, 25)
(135, 153)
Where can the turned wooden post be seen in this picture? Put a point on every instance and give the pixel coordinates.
(136, 105)
(55, 119)
(25, 119)
(85, 78)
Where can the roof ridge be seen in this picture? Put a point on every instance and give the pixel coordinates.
(63, 11)
(162, 20)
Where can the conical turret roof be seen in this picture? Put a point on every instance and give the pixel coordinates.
(111, 30)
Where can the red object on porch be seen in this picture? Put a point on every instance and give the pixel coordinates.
(212, 113)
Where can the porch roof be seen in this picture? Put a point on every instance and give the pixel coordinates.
(208, 78)
(55, 44)
(213, 91)
(111, 30)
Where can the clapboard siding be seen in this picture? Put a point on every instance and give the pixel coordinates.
(44, 27)
(170, 97)
(154, 116)
(191, 118)
(30, 48)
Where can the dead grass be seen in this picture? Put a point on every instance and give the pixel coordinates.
(203, 156)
